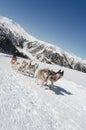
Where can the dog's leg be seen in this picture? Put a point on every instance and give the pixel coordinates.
(51, 86)
(42, 83)
(37, 81)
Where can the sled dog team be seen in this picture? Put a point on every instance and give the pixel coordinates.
(42, 75)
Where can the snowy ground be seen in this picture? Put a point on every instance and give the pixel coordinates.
(26, 106)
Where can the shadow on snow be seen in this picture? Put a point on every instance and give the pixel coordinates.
(59, 90)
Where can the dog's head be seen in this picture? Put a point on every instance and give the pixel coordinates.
(57, 75)
(60, 73)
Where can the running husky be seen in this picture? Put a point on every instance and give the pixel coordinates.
(46, 75)
(13, 59)
(31, 68)
(22, 66)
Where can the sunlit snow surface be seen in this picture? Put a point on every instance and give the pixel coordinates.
(24, 105)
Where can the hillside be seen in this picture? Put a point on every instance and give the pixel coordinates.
(13, 38)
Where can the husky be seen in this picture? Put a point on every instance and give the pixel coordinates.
(46, 75)
(31, 68)
(22, 66)
(13, 59)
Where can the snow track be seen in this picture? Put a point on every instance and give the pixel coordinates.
(26, 106)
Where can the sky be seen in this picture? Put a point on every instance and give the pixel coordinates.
(59, 22)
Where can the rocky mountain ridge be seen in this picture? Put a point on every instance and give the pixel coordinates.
(13, 38)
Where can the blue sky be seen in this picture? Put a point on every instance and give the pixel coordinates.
(59, 22)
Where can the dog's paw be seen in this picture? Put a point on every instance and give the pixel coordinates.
(50, 87)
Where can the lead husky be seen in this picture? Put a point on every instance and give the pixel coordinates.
(46, 75)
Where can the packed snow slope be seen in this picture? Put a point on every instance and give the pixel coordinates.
(24, 105)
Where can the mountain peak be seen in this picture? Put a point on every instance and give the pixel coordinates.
(15, 28)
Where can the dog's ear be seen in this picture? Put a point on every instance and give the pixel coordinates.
(62, 72)
(59, 70)
(37, 65)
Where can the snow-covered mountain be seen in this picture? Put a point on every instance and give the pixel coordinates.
(14, 38)
(24, 105)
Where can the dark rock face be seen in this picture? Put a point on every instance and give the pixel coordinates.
(50, 57)
(8, 43)
(80, 67)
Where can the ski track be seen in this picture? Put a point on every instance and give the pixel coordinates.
(26, 106)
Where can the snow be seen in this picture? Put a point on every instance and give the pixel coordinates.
(24, 105)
